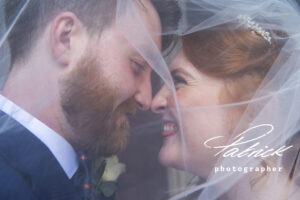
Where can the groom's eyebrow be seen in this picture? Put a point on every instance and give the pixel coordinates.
(147, 55)
(141, 58)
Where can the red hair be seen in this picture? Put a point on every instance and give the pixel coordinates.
(239, 56)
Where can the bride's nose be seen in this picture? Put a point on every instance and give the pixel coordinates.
(160, 100)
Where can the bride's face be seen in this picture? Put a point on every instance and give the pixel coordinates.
(198, 96)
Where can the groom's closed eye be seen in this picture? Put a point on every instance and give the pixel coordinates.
(138, 67)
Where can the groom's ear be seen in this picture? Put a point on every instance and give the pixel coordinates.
(66, 30)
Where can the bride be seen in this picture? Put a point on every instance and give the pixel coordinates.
(233, 114)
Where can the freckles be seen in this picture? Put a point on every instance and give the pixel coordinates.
(171, 103)
(185, 99)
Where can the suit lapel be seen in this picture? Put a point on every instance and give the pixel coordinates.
(30, 157)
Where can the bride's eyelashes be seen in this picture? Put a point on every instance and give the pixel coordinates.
(179, 81)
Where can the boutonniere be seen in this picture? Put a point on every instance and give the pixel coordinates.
(105, 173)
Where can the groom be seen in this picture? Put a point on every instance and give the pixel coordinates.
(74, 81)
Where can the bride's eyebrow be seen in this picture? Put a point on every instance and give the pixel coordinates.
(183, 72)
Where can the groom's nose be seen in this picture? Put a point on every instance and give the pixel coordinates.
(143, 97)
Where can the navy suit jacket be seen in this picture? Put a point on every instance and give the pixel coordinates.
(28, 170)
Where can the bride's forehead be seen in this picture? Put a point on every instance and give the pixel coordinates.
(177, 60)
(180, 61)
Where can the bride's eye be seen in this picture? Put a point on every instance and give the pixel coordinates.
(178, 81)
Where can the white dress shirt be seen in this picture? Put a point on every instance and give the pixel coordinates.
(59, 147)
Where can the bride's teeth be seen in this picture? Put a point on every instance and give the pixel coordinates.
(170, 127)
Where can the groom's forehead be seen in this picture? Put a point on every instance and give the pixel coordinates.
(141, 29)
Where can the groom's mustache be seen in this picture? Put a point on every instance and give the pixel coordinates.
(128, 107)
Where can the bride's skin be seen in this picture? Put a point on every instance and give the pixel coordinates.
(194, 90)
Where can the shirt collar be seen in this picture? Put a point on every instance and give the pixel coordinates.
(58, 146)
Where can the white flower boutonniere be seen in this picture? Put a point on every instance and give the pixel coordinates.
(113, 169)
(106, 173)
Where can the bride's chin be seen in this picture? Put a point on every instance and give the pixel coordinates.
(167, 158)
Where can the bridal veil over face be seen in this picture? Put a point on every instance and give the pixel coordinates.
(132, 26)
(255, 156)
(270, 118)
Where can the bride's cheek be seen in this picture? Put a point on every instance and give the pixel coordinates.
(171, 152)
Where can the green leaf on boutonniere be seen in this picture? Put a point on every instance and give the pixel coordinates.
(108, 188)
(105, 173)
(100, 171)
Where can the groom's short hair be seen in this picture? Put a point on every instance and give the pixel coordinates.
(94, 14)
(36, 14)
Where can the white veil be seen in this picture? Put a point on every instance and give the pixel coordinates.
(276, 104)
(125, 11)
(274, 108)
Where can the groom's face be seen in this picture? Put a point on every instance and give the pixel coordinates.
(110, 81)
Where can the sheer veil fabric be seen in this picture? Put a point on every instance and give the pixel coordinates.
(270, 117)
(271, 114)
(129, 21)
